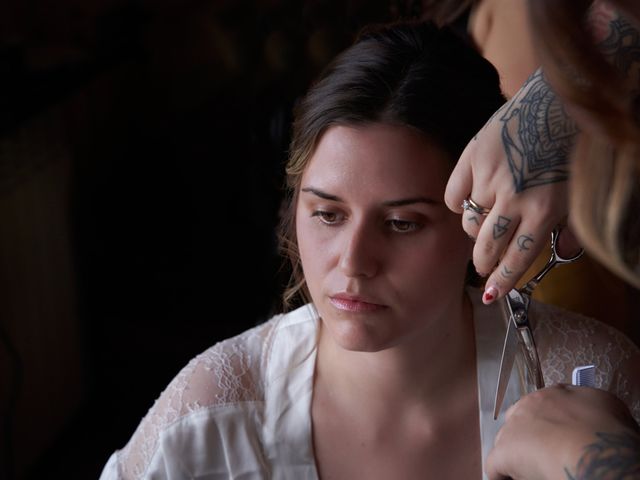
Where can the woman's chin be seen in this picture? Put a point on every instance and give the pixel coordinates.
(358, 335)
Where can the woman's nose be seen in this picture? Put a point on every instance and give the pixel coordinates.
(359, 254)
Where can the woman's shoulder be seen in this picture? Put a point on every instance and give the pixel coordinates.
(223, 384)
(230, 372)
(235, 369)
(567, 339)
(558, 328)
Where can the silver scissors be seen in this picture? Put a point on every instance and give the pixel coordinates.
(519, 331)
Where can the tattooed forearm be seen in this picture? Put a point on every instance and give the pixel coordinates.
(612, 456)
(619, 41)
(617, 38)
(537, 134)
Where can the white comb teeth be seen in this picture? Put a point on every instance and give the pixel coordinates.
(584, 376)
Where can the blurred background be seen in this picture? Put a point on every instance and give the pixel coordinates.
(142, 146)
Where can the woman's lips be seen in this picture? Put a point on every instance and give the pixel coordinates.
(349, 304)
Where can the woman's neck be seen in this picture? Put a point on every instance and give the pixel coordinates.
(424, 372)
(400, 412)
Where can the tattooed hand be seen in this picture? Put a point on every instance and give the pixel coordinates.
(517, 166)
(565, 432)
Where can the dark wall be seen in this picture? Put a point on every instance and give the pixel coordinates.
(141, 159)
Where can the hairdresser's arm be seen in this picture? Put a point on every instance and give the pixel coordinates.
(565, 432)
(518, 164)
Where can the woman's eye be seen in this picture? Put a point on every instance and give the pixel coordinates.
(402, 226)
(329, 218)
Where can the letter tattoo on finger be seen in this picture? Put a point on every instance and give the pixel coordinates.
(474, 219)
(505, 272)
(501, 227)
(523, 242)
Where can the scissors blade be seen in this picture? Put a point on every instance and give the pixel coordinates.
(509, 350)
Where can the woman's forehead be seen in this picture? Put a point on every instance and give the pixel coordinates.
(380, 153)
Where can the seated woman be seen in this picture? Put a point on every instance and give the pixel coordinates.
(389, 368)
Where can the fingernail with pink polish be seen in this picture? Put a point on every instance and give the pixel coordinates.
(490, 294)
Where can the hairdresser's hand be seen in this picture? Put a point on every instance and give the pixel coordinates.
(518, 167)
(566, 432)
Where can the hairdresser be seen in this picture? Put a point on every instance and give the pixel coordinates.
(565, 146)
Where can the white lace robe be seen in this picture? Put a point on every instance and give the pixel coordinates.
(241, 409)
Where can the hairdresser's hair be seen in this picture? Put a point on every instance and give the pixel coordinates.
(445, 12)
(409, 74)
(605, 185)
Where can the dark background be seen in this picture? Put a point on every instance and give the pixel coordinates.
(142, 146)
(142, 149)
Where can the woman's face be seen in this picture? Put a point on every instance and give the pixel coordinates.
(383, 257)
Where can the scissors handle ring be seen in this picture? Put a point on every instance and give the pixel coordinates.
(554, 260)
(555, 234)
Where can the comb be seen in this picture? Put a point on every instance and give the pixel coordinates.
(584, 376)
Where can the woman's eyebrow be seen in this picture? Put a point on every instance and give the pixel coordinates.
(321, 194)
(412, 200)
(391, 203)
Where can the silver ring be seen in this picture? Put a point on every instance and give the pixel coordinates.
(469, 204)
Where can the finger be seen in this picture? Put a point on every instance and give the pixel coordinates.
(471, 223)
(496, 466)
(527, 243)
(523, 249)
(472, 218)
(509, 412)
(502, 460)
(460, 182)
(493, 238)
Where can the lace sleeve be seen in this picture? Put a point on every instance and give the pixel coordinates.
(567, 340)
(625, 383)
(226, 373)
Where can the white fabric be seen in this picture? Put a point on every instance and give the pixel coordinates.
(490, 330)
(241, 409)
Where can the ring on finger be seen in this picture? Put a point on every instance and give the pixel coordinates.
(469, 204)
